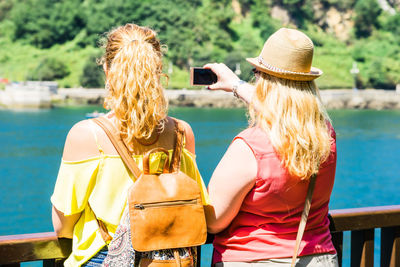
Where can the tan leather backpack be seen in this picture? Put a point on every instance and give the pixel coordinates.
(166, 210)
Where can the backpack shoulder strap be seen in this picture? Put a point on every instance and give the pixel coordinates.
(179, 140)
(123, 151)
(119, 145)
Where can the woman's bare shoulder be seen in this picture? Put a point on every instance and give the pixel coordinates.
(190, 141)
(80, 143)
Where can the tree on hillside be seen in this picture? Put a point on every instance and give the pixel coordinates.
(49, 69)
(5, 7)
(178, 27)
(67, 20)
(366, 19)
(392, 24)
(245, 5)
(237, 59)
(31, 20)
(213, 33)
(379, 74)
(260, 13)
(102, 15)
(92, 75)
(299, 10)
(174, 27)
(44, 23)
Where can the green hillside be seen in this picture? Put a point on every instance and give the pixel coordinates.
(58, 40)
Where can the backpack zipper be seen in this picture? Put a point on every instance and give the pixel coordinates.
(142, 206)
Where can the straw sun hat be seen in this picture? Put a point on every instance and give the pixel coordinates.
(287, 54)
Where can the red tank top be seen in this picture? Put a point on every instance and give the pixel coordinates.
(267, 222)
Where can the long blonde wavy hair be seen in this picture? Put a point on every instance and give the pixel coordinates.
(294, 118)
(133, 64)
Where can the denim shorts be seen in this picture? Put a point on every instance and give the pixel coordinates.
(317, 260)
(97, 260)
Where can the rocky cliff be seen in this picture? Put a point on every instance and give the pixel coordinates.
(332, 16)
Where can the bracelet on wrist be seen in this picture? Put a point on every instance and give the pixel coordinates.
(236, 86)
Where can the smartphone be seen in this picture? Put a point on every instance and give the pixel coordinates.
(202, 76)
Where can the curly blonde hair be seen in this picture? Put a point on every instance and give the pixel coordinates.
(292, 114)
(133, 65)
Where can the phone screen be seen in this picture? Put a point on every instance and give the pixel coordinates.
(201, 76)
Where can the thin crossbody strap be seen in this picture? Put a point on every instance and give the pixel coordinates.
(95, 137)
(119, 145)
(304, 217)
(176, 156)
(102, 228)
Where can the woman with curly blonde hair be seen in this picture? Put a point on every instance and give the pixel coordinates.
(92, 182)
(259, 187)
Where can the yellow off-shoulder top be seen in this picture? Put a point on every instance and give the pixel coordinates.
(102, 182)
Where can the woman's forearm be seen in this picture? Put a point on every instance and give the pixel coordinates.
(64, 225)
(228, 81)
(245, 91)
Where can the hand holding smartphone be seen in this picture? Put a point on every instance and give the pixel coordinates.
(202, 76)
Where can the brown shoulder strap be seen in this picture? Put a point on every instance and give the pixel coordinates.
(304, 217)
(176, 156)
(102, 228)
(119, 145)
(123, 151)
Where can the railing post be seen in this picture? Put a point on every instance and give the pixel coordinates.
(362, 248)
(337, 240)
(390, 246)
(198, 262)
(53, 263)
(49, 263)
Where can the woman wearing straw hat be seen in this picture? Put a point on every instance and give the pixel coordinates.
(260, 186)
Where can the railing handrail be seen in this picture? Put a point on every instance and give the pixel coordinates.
(32, 247)
(365, 218)
(45, 236)
(43, 246)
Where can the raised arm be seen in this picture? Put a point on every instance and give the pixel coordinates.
(227, 80)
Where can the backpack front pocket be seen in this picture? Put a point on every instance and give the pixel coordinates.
(165, 204)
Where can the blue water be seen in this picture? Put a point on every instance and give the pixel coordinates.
(368, 168)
